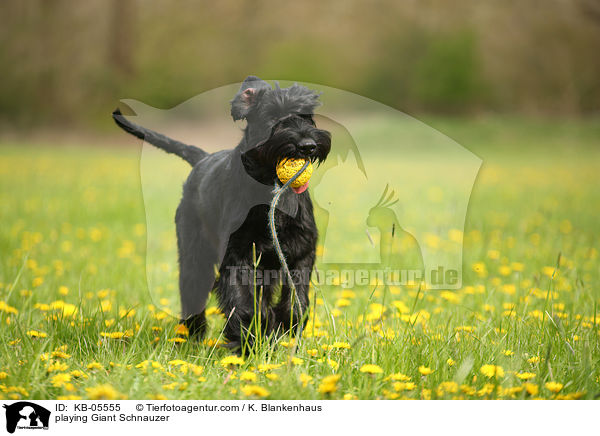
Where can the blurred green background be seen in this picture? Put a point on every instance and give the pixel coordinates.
(67, 63)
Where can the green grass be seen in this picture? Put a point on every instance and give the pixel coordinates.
(75, 218)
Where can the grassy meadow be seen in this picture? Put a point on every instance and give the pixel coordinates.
(77, 319)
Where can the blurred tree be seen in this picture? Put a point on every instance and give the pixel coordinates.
(121, 44)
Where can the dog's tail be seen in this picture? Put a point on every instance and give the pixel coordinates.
(189, 153)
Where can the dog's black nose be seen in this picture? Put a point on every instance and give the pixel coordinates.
(307, 146)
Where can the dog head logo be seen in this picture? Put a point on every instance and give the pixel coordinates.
(26, 415)
(424, 180)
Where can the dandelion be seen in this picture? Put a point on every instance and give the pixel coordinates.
(57, 366)
(112, 335)
(36, 334)
(231, 360)
(60, 379)
(371, 369)
(297, 361)
(398, 377)
(177, 340)
(181, 330)
(3, 375)
(492, 371)
(531, 389)
(533, 360)
(60, 354)
(508, 353)
(448, 386)
(329, 384)
(305, 379)
(248, 376)
(105, 306)
(7, 309)
(333, 364)
(340, 345)
(78, 374)
(525, 375)
(94, 365)
(450, 361)
(264, 367)
(554, 387)
(102, 392)
(254, 390)
(404, 386)
(272, 377)
(424, 370)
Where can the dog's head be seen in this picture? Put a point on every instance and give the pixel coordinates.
(280, 125)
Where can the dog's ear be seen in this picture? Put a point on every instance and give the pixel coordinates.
(247, 96)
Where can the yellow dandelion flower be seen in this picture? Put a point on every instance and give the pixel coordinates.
(8, 309)
(177, 340)
(78, 374)
(525, 375)
(297, 361)
(305, 379)
(57, 366)
(531, 388)
(3, 375)
(248, 376)
(329, 384)
(254, 390)
(112, 335)
(554, 387)
(60, 379)
(424, 370)
(94, 365)
(60, 354)
(371, 369)
(231, 360)
(492, 371)
(102, 392)
(533, 360)
(170, 386)
(343, 302)
(105, 305)
(341, 345)
(272, 376)
(264, 367)
(450, 361)
(36, 334)
(508, 353)
(333, 364)
(404, 386)
(181, 330)
(398, 377)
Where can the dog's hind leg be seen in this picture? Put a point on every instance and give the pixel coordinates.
(196, 274)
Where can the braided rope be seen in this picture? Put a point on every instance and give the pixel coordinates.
(278, 192)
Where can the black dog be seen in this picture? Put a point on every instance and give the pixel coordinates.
(222, 218)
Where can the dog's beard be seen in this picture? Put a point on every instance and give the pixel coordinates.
(261, 161)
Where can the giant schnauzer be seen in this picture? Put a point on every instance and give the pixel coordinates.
(222, 217)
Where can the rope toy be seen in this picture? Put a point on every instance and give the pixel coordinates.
(278, 192)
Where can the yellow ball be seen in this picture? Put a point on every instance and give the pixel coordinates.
(287, 168)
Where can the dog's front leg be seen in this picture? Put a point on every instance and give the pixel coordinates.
(243, 309)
